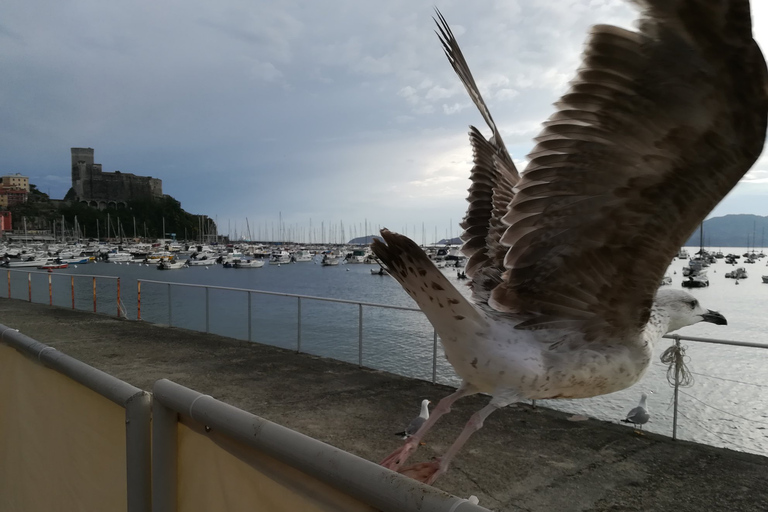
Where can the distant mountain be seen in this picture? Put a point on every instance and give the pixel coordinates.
(728, 231)
(364, 240)
(732, 231)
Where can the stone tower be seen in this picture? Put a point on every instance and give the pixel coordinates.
(100, 189)
(82, 168)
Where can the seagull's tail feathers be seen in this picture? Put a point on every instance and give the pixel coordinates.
(437, 297)
(402, 434)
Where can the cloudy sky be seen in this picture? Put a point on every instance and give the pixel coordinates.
(329, 112)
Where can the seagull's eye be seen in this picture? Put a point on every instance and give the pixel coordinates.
(693, 304)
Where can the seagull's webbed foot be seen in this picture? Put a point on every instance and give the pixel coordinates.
(398, 457)
(426, 472)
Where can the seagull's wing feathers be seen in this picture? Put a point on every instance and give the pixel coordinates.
(489, 197)
(657, 127)
(493, 178)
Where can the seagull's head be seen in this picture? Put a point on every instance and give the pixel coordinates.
(684, 309)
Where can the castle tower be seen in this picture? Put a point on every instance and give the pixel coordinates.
(82, 167)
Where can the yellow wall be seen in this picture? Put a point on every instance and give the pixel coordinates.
(62, 446)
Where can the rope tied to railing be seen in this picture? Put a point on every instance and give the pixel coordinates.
(677, 365)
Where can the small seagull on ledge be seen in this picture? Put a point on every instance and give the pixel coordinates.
(566, 258)
(639, 415)
(416, 422)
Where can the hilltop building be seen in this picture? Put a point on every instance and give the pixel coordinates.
(100, 189)
(15, 181)
(14, 189)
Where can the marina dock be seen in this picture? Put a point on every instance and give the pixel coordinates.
(523, 459)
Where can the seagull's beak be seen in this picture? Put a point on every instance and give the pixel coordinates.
(714, 317)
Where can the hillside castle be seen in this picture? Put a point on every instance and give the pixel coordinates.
(100, 189)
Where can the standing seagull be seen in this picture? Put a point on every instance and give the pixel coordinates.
(416, 422)
(639, 415)
(565, 259)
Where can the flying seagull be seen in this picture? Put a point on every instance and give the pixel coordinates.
(565, 259)
(639, 415)
(416, 422)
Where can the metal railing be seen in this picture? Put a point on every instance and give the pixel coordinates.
(678, 367)
(120, 307)
(299, 298)
(300, 317)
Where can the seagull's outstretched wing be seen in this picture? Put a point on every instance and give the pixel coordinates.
(493, 177)
(656, 128)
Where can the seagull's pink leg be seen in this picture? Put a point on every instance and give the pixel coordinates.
(474, 424)
(428, 472)
(397, 458)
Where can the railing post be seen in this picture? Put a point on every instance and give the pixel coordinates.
(250, 337)
(170, 311)
(298, 333)
(138, 453)
(9, 284)
(118, 297)
(94, 294)
(29, 285)
(138, 300)
(434, 356)
(50, 290)
(72, 287)
(164, 457)
(677, 387)
(360, 335)
(207, 313)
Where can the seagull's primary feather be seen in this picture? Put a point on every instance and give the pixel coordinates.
(565, 258)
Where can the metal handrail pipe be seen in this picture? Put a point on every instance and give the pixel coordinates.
(715, 341)
(135, 402)
(102, 383)
(58, 273)
(360, 478)
(281, 294)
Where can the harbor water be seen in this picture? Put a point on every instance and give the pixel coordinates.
(725, 406)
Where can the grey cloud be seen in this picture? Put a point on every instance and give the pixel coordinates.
(247, 108)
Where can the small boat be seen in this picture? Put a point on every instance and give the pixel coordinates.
(52, 266)
(205, 262)
(77, 261)
(739, 273)
(279, 258)
(699, 280)
(765, 279)
(171, 265)
(255, 263)
(358, 256)
(302, 256)
(330, 260)
(119, 257)
(16, 263)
